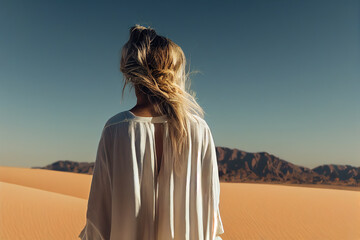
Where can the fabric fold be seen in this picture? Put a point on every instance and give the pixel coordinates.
(126, 190)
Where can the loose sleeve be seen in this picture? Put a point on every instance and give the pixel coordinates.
(98, 215)
(211, 158)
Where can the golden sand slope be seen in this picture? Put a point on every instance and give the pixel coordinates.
(30, 213)
(265, 211)
(72, 184)
(43, 204)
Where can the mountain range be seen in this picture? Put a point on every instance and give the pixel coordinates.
(239, 166)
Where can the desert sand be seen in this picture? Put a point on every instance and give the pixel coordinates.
(45, 204)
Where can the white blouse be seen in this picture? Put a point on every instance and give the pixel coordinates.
(128, 200)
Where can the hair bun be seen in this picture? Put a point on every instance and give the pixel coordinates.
(139, 33)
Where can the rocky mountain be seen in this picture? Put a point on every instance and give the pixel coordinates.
(70, 166)
(240, 166)
(338, 172)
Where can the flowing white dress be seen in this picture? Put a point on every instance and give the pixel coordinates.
(129, 200)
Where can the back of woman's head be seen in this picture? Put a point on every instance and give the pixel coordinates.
(155, 66)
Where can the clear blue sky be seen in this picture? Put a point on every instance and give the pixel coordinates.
(276, 76)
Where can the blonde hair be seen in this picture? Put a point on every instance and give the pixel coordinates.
(156, 66)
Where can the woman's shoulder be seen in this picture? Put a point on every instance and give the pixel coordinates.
(118, 118)
(198, 121)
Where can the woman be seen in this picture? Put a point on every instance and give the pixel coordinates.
(156, 174)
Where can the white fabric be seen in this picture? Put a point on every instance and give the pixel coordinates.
(128, 201)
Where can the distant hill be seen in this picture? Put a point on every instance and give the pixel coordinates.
(240, 166)
(339, 172)
(70, 166)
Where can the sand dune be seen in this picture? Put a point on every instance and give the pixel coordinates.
(264, 211)
(45, 204)
(30, 213)
(73, 184)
